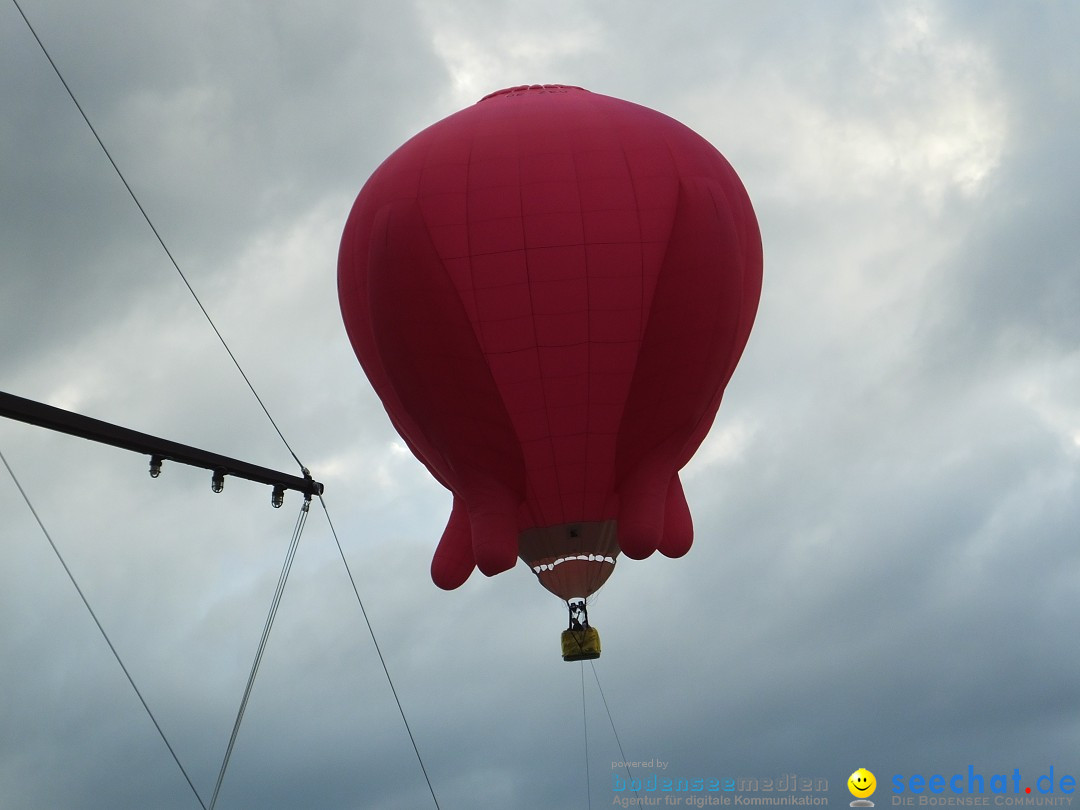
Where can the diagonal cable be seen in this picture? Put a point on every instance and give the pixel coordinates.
(262, 405)
(290, 555)
(585, 730)
(157, 235)
(611, 720)
(382, 660)
(101, 629)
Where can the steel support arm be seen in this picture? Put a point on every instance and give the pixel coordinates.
(52, 418)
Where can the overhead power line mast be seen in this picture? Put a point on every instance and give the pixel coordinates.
(159, 450)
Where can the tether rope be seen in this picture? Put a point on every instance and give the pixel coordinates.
(611, 720)
(101, 629)
(585, 729)
(301, 519)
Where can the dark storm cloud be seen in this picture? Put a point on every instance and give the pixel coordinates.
(221, 121)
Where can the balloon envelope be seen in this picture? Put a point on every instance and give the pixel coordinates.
(549, 291)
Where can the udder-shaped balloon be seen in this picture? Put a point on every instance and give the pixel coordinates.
(549, 291)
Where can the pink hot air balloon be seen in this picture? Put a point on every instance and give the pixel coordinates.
(549, 291)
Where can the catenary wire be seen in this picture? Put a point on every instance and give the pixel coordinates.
(101, 629)
(382, 660)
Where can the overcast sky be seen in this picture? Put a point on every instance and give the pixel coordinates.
(886, 570)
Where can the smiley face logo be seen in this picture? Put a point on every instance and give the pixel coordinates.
(862, 783)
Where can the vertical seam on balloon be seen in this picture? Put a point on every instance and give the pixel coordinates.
(477, 325)
(533, 513)
(641, 242)
(678, 173)
(588, 341)
(468, 248)
(643, 315)
(727, 212)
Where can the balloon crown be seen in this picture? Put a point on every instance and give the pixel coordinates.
(533, 89)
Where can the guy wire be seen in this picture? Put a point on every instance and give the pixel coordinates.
(101, 629)
(290, 555)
